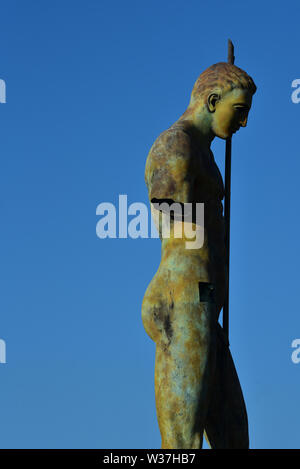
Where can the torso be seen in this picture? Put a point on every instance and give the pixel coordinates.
(180, 270)
(208, 188)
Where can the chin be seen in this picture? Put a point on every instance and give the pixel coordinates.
(223, 135)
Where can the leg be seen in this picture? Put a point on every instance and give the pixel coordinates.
(184, 369)
(226, 424)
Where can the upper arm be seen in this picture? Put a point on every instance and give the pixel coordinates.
(169, 173)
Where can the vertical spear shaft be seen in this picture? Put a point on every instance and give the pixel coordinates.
(230, 60)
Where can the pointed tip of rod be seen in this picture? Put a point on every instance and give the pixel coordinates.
(231, 57)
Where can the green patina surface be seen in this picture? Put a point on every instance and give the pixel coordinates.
(182, 304)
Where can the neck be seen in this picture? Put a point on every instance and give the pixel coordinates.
(199, 123)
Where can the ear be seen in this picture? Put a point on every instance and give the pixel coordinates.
(212, 100)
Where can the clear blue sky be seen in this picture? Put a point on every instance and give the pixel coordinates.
(90, 85)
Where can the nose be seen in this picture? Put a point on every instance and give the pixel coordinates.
(243, 121)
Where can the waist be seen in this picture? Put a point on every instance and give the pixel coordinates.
(202, 264)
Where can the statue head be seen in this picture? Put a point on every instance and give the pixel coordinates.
(221, 99)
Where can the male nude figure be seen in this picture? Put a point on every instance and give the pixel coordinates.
(195, 392)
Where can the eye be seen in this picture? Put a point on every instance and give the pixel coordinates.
(241, 109)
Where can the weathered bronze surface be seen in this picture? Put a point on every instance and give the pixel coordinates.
(182, 303)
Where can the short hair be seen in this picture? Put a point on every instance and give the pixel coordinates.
(224, 76)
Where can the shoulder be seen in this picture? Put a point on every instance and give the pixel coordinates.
(173, 140)
(172, 147)
(169, 169)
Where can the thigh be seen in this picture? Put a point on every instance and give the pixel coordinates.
(226, 423)
(183, 377)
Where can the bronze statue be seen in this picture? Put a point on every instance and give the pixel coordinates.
(197, 390)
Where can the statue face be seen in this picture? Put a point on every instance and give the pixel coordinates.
(230, 112)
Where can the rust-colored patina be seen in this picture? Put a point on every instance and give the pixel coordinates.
(182, 303)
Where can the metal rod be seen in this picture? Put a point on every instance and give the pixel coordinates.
(227, 209)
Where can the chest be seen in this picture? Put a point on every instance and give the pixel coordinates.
(208, 181)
